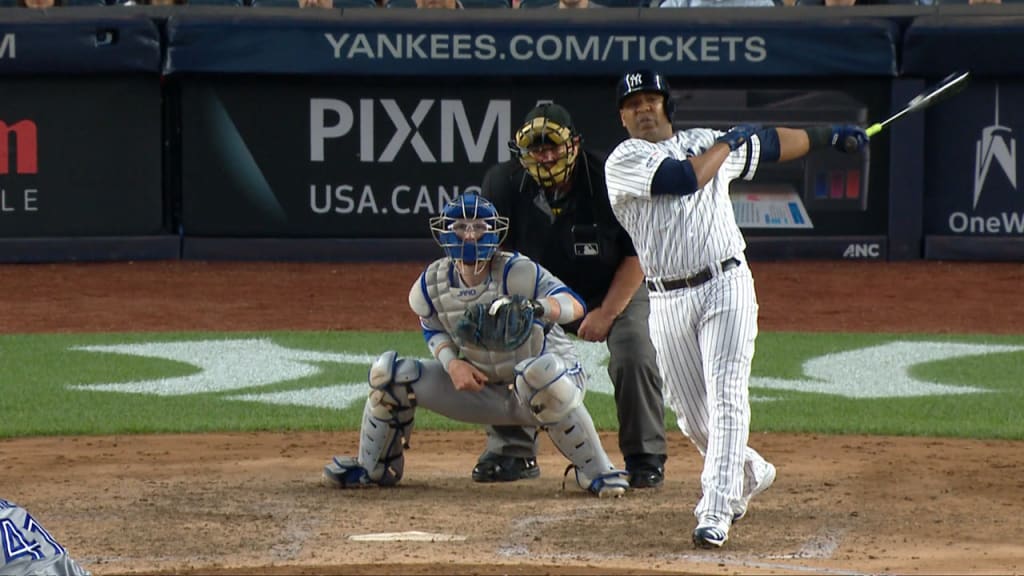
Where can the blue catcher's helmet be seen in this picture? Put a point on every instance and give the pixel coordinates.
(469, 229)
(645, 81)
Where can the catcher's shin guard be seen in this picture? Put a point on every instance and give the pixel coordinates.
(388, 417)
(576, 438)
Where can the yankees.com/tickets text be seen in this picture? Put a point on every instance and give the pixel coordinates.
(548, 47)
(402, 199)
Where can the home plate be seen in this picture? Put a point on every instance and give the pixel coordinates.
(410, 536)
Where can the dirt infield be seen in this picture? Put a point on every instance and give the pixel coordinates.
(250, 503)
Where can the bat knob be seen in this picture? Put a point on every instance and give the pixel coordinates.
(850, 144)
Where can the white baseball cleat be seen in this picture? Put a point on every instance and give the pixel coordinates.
(766, 482)
(711, 532)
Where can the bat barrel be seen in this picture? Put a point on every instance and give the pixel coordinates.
(950, 85)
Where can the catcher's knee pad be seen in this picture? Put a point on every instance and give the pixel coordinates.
(549, 388)
(577, 440)
(388, 417)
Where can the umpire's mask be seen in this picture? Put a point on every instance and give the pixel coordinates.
(547, 145)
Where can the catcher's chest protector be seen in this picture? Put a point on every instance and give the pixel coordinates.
(451, 302)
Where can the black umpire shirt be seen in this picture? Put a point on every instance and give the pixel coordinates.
(578, 239)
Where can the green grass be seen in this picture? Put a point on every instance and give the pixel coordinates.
(997, 414)
(38, 371)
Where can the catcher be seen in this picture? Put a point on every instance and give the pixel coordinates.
(28, 549)
(491, 321)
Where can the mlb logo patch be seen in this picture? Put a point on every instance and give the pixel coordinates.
(586, 249)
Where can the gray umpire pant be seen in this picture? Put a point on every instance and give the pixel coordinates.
(633, 370)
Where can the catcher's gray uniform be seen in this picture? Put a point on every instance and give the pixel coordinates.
(28, 549)
(540, 383)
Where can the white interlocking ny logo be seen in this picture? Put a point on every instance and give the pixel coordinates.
(634, 80)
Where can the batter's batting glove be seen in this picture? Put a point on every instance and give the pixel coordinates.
(738, 135)
(849, 138)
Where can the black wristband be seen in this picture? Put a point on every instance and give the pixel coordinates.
(819, 137)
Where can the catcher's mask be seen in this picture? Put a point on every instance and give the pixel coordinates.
(547, 145)
(470, 230)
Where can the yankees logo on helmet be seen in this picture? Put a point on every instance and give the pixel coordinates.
(645, 81)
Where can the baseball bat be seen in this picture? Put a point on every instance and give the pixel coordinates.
(949, 86)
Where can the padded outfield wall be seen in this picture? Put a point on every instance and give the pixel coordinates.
(238, 133)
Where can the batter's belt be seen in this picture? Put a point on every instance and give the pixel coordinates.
(691, 281)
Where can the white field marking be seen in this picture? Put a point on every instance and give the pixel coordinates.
(409, 536)
(882, 371)
(717, 558)
(336, 397)
(820, 546)
(291, 540)
(594, 358)
(223, 365)
(525, 527)
(732, 560)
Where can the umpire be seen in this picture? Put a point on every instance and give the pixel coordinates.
(554, 193)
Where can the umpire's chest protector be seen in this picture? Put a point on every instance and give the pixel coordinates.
(451, 301)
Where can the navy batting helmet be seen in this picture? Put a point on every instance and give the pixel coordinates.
(645, 81)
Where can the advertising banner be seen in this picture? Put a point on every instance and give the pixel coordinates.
(972, 185)
(314, 158)
(354, 159)
(77, 42)
(80, 157)
(502, 44)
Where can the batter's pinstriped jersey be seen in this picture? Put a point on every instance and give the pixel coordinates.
(704, 335)
(678, 236)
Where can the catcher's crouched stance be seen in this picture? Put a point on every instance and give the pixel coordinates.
(491, 320)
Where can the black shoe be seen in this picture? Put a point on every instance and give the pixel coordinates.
(646, 470)
(497, 468)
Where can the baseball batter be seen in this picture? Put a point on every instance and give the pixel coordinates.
(491, 320)
(28, 549)
(670, 191)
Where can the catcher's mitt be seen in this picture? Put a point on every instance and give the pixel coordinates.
(502, 326)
